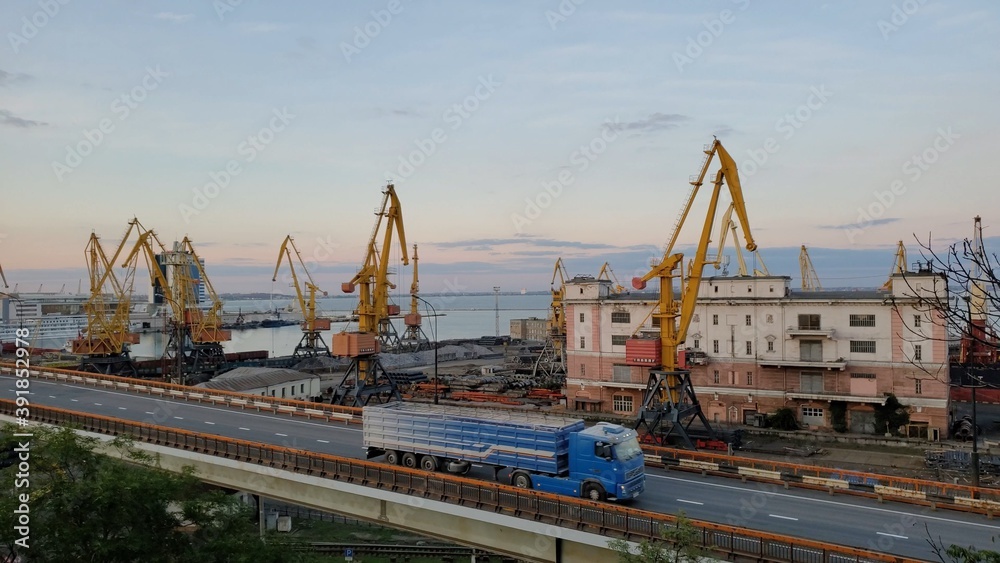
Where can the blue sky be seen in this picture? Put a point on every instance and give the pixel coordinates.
(515, 132)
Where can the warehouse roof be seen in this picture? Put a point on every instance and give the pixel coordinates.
(242, 379)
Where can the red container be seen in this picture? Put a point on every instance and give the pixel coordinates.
(643, 352)
(354, 344)
(412, 319)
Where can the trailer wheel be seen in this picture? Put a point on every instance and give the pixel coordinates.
(521, 480)
(429, 463)
(409, 460)
(392, 457)
(594, 492)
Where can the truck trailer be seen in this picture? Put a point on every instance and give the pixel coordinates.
(543, 452)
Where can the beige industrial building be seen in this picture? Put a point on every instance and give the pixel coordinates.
(755, 345)
(531, 328)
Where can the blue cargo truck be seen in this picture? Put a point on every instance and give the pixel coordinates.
(543, 452)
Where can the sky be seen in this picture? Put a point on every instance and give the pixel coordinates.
(515, 133)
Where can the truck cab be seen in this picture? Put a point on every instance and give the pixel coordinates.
(604, 462)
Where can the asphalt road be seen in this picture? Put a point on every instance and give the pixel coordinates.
(894, 528)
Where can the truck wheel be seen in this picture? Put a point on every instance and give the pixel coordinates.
(429, 463)
(593, 492)
(409, 460)
(521, 480)
(392, 457)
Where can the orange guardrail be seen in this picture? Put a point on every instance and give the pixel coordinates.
(601, 518)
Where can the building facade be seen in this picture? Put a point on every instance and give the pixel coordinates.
(754, 345)
(531, 328)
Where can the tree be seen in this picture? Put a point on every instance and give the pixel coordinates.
(891, 416)
(85, 506)
(783, 419)
(679, 543)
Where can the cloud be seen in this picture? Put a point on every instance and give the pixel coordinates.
(722, 130)
(261, 27)
(7, 78)
(8, 118)
(655, 122)
(489, 243)
(173, 17)
(855, 225)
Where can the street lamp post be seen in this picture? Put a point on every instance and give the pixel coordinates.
(434, 311)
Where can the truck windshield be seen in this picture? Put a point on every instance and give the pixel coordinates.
(628, 449)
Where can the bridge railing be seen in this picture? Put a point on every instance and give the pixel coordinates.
(600, 518)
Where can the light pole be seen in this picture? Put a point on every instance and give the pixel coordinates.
(434, 311)
(968, 371)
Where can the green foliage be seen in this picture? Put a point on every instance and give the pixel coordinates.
(680, 543)
(971, 555)
(891, 416)
(838, 415)
(783, 419)
(85, 506)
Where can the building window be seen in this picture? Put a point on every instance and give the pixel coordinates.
(618, 339)
(272, 392)
(656, 322)
(716, 288)
(282, 392)
(749, 320)
(862, 346)
(715, 377)
(621, 317)
(302, 388)
(749, 348)
(812, 412)
(621, 373)
(862, 376)
(581, 317)
(811, 382)
(715, 346)
(697, 344)
(809, 322)
(749, 378)
(918, 353)
(583, 370)
(715, 319)
(770, 346)
(916, 321)
(749, 289)
(862, 320)
(810, 351)
(696, 318)
(621, 403)
(918, 386)
(583, 342)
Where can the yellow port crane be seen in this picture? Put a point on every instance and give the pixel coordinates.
(810, 281)
(196, 334)
(3, 278)
(414, 338)
(365, 380)
(727, 225)
(670, 404)
(608, 274)
(551, 361)
(312, 343)
(104, 345)
(898, 265)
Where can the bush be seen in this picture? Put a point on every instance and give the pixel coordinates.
(891, 416)
(838, 415)
(783, 419)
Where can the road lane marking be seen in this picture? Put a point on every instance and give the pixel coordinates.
(99, 404)
(150, 412)
(241, 428)
(823, 501)
(892, 535)
(690, 501)
(52, 396)
(280, 434)
(783, 517)
(207, 422)
(74, 400)
(122, 409)
(324, 441)
(179, 418)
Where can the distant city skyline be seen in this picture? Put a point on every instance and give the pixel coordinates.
(515, 133)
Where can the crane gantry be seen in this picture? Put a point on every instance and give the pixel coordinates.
(312, 343)
(727, 225)
(551, 360)
(979, 344)
(670, 400)
(365, 380)
(608, 274)
(104, 344)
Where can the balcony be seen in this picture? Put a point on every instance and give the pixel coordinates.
(846, 397)
(838, 364)
(807, 330)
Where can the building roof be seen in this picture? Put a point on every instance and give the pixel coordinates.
(244, 378)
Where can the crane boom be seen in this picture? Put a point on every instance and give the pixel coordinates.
(898, 265)
(810, 281)
(312, 340)
(3, 278)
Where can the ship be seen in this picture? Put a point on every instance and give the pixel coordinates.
(50, 318)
